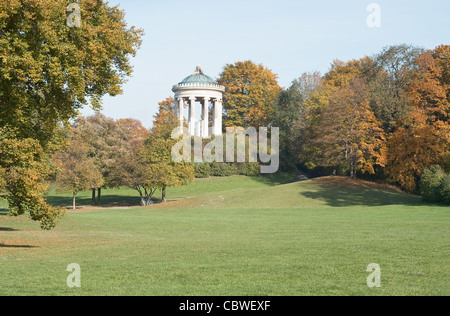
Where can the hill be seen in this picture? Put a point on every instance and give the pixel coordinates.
(238, 236)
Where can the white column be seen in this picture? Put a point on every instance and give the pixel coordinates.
(175, 108)
(218, 109)
(181, 111)
(205, 118)
(192, 116)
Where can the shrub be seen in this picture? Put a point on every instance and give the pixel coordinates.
(446, 162)
(222, 169)
(430, 184)
(202, 170)
(444, 189)
(248, 169)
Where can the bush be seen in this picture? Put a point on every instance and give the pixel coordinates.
(446, 162)
(215, 169)
(435, 185)
(248, 169)
(223, 169)
(202, 170)
(444, 189)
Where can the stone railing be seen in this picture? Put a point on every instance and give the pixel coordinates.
(198, 85)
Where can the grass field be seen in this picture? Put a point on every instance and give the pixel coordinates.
(235, 236)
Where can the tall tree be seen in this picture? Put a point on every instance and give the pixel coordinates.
(134, 128)
(78, 169)
(107, 140)
(134, 171)
(159, 145)
(148, 166)
(251, 90)
(350, 135)
(441, 55)
(340, 75)
(308, 83)
(49, 70)
(423, 138)
(289, 116)
(391, 76)
(23, 166)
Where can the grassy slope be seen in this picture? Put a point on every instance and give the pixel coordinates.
(239, 236)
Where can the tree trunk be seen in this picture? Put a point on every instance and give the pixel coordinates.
(74, 201)
(164, 195)
(99, 197)
(93, 195)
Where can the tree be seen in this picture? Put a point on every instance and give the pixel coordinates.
(48, 71)
(441, 56)
(289, 116)
(389, 79)
(250, 92)
(78, 169)
(411, 149)
(159, 145)
(430, 184)
(423, 138)
(107, 140)
(134, 128)
(350, 134)
(148, 166)
(340, 76)
(134, 171)
(23, 166)
(307, 84)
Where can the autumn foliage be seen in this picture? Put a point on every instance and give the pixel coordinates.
(250, 92)
(48, 71)
(386, 116)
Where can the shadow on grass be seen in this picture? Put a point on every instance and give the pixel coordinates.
(275, 179)
(354, 195)
(7, 229)
(106, 201)
(17, 246)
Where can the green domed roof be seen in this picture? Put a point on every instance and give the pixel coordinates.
(198, 78)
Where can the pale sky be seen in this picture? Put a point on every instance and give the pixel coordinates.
(287, 36)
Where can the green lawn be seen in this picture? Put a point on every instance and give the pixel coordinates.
(236, 236)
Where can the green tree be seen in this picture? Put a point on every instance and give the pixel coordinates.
(23, 167)
(148, 166)
(390, 77)
(78, 169)
(159, 145)
(48, 71)
(289, 116)
(430, 184)
(134, 171)
(107, 140)
(251, 91)
(441, 55)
